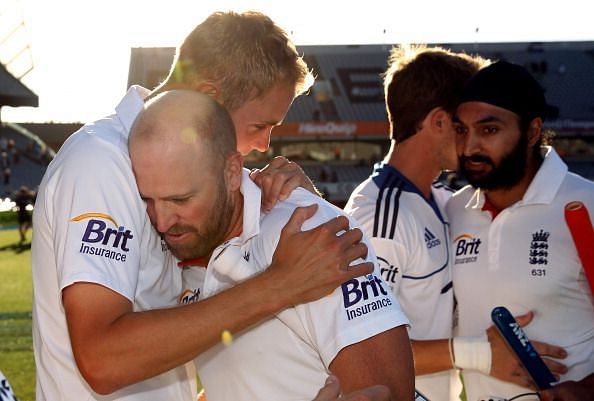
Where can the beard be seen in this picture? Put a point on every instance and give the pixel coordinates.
(206, 238)
(506, 174)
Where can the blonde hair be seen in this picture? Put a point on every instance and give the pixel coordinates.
(244, 54)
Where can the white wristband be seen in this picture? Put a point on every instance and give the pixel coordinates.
(473, 353)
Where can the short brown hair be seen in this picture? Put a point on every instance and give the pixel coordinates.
(246, 54)
(419, 79)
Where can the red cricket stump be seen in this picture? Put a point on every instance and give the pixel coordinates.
(579, 224)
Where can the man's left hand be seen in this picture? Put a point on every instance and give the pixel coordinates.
(278, 179)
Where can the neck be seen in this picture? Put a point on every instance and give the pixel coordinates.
(415, 162)
(505, 197)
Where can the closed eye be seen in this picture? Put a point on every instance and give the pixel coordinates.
(180, 200)
(259, 127)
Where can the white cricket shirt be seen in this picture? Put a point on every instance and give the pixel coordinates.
(91, 226)
(286, 357)
(410, 235)
(524, 259)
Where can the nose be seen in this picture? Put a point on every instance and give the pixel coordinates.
(467, 144)
(161, 216)
(262, 142)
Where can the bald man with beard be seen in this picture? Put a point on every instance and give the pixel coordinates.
(208, 211)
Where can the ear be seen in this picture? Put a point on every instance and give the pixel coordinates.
(233, 170)
(534, 131)
(208, 88)
(438, 119)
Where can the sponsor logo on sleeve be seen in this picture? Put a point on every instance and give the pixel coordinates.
(387, 270)
(189, 296)
(467, 249)
(364, 295)
(103, 237)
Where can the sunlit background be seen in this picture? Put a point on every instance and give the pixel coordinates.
(75, 57)
(79, 50)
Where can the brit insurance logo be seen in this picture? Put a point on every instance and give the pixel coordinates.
(388, 271)
(365, 295)
(430, 239)
(467, 249)
(103, 236)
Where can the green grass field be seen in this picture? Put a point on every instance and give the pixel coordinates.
(16, 350)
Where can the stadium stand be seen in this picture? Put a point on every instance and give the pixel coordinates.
(350, 80)
(23, 155)
(27, 158)
(341, 123)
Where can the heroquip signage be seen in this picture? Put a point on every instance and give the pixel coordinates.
(333, 129)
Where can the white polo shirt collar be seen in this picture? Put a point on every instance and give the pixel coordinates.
(252, 201)
(229, 264)
(131, 105)
(548, 179)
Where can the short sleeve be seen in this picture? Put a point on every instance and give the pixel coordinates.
(357, 310)
(97, 217)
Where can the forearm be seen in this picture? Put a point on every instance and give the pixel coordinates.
(431, 356)
(140, 345)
